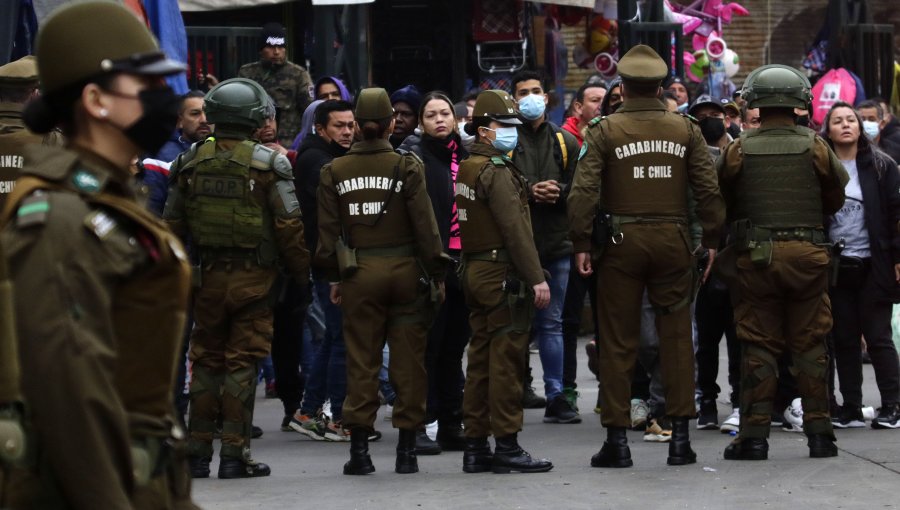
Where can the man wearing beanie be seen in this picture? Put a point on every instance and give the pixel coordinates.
(406, 113)
(288, 84)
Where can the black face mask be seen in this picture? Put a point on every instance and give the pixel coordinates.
(713, 129)
(155, 126)
(734, 130)
(803, 120)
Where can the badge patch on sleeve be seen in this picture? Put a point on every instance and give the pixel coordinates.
(583, 150)
(100, 223)
(86, 181)
(33, 211)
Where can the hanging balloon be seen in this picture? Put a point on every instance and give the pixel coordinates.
(697, 71)
(606, 65)
(715, 48)
(732, 63)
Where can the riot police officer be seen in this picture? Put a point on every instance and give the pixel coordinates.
(503, 281)
(101, 324)
(778, 181)
(236, 199)
(646, 158)
(381, 249)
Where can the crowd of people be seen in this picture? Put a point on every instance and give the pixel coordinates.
(362, 245)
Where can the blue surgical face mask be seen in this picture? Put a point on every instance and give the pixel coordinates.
(532, 106)
(683, 107)
(871, 129)
(506, 140)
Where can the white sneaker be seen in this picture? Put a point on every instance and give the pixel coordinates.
(733, 422)
(793, 417)
(639, 412)
(658, 431)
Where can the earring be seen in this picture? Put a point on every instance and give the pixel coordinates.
(103, 112)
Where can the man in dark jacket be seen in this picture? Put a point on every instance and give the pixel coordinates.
(880, 127)
(192, 127)
(547, 155)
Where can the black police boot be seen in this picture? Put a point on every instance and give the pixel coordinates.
(614, 452)
(360, 463)
(406, 453)
(477, 457)
(424, 444)
(230, 467)
(510, 457)
(822, 445)
(450, 436)
(680, 452)
(748, 448)
(199, 466)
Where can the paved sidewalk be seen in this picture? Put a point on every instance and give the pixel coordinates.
(308, 474)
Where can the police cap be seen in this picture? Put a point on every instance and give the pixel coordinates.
(496, 105)
(642, 63)
(373, 104)
(81, 40)
(20, 73)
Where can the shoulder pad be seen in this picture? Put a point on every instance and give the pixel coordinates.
(411, 154)
(499, 160)
(262, 157)
(596, 120)
(186, 157)
(282, 166)
(689, 117)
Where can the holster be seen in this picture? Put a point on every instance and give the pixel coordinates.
(346, 258)
(835, 263)
(520, 299)
(603, 231)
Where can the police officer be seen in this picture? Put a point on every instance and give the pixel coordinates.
(98, 345)
(18, 84)
(12, 437)
(639, 163)
(380, 247)
(778, 181)
(236, 199)
(503, 281)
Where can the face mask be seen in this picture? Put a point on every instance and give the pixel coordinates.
(532, 106)
(713, 130)
(734, 130)
(803, 120)
(683, 107)
(466, 138)
(871, 129)
(507, 138)
(153, 128)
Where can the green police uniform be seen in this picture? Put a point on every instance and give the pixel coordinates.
(12, 437)
(639, 164)
(17, 80)
(98, 347)
(373, 203)
(778, 181)
(237, 200)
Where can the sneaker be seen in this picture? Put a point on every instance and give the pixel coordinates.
(334, 431)
(793, 417)
(572, 395)
(888, 417)
(531, 400)
(388, 412)
(639, 412)
(708, 415)
(591, 349)
(309, 426)
(776, 420)
(533, 348)
(286, 424)
(851, 417)
(733, 422)
(560, 411)
(658, 431)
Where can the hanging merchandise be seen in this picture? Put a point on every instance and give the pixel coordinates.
(836, 85)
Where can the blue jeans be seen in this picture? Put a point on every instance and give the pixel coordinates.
(328, 372)
(547, 327)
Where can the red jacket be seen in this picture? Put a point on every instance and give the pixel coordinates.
(571, 125)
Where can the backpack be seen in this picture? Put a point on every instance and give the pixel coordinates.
(836, 85)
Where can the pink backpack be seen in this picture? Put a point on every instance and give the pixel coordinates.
(835, 85)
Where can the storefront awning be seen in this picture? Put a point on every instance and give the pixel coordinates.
(587, 4)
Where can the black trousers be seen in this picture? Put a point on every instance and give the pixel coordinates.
(447, 340)
(856, 314)
(287, 343)
(571, 318)
(715, 317)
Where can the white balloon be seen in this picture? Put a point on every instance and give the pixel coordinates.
(732, 62)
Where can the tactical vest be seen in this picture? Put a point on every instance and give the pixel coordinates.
(478, 229)
(364, 184)
(646, 167)
(777, 186)
(221, 210)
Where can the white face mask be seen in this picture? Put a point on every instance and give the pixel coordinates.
(871, 129)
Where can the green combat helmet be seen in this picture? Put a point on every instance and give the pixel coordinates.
(776, 85)
(238, 102)
(496, 105)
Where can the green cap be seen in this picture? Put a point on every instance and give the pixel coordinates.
(496, 105)
(373, 104)
(80, 40)
(642, 63)
(21, 72)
